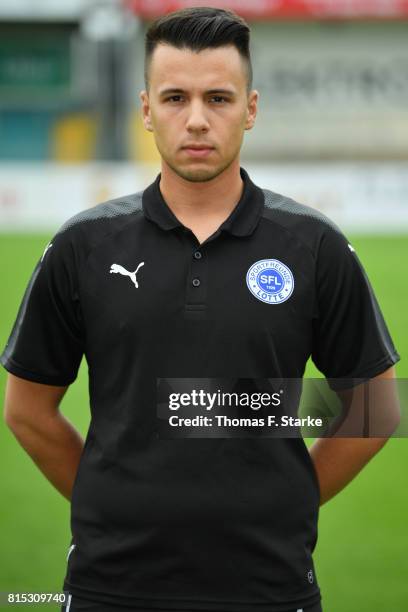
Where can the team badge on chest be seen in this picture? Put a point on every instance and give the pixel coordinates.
(270, 281)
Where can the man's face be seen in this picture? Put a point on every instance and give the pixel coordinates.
(198, 108)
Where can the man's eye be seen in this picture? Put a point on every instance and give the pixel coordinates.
(218, 99)
(174, 99)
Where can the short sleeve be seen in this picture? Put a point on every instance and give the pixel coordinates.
(350, 337)
(46, 342)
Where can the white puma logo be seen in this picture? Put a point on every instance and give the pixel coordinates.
(118, 269)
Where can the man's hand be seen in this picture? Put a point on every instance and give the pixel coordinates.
(339, 459)
(31, 413)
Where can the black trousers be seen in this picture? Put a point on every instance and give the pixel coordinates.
(76, 604)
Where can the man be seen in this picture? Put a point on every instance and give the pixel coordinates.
(166, 287)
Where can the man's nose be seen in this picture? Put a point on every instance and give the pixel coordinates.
(197, 120)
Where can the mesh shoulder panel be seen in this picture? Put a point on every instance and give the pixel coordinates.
(280, 203)
(118, 207)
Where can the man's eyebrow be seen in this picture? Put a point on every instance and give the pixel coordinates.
(174, 90)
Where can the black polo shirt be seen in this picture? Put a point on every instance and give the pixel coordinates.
(225, 524)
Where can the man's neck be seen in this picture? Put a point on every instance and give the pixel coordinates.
(205, 205)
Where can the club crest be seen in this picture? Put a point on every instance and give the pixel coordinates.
(270, 281)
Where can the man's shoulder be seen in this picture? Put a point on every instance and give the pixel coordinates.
(105, 214)
(291, 213)
(79, 234)
(308, 225)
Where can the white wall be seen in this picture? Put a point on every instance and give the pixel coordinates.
(362, 197)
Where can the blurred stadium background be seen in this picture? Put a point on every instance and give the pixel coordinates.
(332, 132)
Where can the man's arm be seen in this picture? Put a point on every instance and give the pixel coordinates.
(339, 459)
(32, 413)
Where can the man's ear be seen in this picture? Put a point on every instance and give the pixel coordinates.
(145, 105)
(252, 109)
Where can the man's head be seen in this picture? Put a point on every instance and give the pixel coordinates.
(198, 79)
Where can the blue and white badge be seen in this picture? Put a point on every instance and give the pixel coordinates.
(270, 281)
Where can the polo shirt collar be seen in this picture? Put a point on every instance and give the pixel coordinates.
(241, 222)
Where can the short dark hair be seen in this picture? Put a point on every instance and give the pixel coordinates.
(199, 28)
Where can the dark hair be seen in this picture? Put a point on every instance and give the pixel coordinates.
(199, 28)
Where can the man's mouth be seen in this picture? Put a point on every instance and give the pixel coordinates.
(198, 150)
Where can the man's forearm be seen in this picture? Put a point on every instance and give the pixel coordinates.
(55, 446)
(338, 461)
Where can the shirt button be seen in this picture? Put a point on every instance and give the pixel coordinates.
(197, 255)
(196, 282)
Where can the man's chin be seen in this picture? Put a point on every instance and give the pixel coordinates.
(201, 175)
(198, 174)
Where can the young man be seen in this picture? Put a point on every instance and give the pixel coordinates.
(166, 287)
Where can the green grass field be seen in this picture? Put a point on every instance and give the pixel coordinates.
(361, 556)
